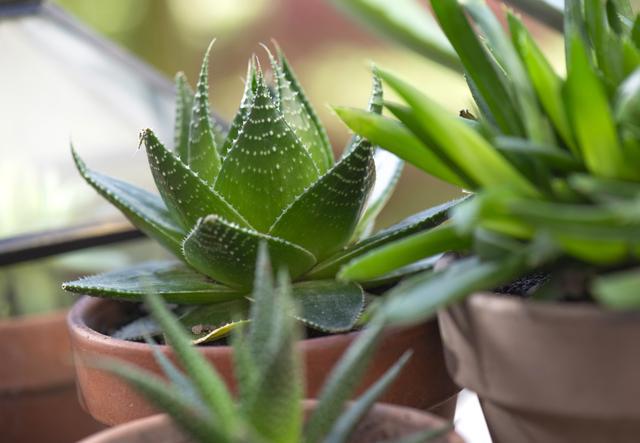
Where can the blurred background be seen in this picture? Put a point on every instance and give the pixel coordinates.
(57, 84)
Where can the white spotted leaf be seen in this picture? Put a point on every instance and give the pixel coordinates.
(250, 86)
(267, 166)
(173, 281)
(145, 210)
(332, 206)
(300, 115)
(186, 195)
(184, 105)
(202, 153)
(227, 252)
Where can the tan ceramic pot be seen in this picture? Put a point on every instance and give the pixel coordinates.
(38, 400)
(423, 383)
(547, 372)
(383, 422)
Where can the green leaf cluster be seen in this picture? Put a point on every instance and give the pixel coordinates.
(268, 371)
(269, 177)
(553, 161)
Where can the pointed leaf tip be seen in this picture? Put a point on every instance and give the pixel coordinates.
(300, 115)
(266, 159)
(184, 105)
(202, 156)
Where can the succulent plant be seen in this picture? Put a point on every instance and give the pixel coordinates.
(270, 177)
(554, 162)
(269, 405)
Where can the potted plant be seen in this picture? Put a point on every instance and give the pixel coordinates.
(555, 168)
(267, 366)
(271, 177)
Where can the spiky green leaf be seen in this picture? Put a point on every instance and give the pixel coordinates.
(184, 105)
(173, 281)
(331, 207)
(186, 195)
(274, 407)
(300, 115)
(266, 159)
(227, 252)
(250, 88)
(145, 210)
(203, 157)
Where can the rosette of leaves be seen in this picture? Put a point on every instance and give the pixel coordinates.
(554, 161)
(268, 369)
(270, 177)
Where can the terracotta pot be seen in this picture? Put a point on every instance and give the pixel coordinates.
(547, 372)
(423, 384)
(383, 422)
(38, 400)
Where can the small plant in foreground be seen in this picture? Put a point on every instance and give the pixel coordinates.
(269, 407)
(554, 162)
(270, 177)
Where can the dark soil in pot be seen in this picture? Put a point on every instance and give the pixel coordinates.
(423, 384)
(547, 372)
(38, 399)
(383, 422)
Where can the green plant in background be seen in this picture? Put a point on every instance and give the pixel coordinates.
(269, 407)
(271, 177)
(554, 162)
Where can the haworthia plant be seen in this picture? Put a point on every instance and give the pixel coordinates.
(268, 371)
(554, 161)
(270, 178)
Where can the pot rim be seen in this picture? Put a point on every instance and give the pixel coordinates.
(503, 304)
(78, 326)
(164, 419)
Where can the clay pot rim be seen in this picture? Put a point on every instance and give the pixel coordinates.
(164, 420)
(503, 304)
(77, 324)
